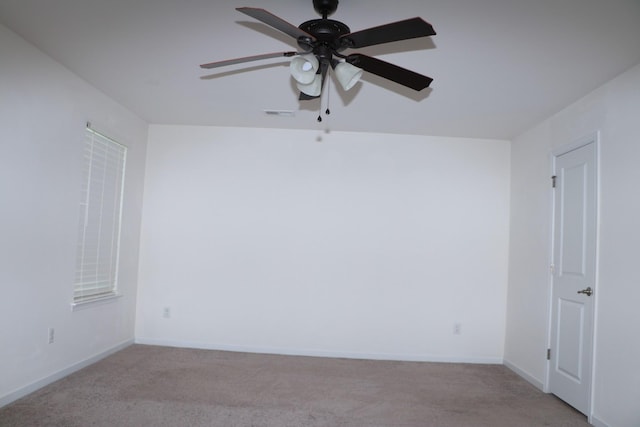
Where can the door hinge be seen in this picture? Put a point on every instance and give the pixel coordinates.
(553, 181)
(548, 354)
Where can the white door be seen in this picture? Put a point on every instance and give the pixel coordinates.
(574, 274)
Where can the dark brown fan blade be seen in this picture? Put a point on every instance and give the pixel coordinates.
(396, 31)
(247, 59)
(275, 22)
(389, 71)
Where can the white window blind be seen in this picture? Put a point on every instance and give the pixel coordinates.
(100, 214)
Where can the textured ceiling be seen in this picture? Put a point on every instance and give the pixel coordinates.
(499, 66)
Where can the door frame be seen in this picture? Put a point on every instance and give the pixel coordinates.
(592, 138)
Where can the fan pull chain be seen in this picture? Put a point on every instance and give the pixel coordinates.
(320, 112)
(327, 111)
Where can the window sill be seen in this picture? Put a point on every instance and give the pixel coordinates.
(81, 305)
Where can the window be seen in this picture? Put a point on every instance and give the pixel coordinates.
(100, 214)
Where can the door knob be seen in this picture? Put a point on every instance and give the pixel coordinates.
(587, 291)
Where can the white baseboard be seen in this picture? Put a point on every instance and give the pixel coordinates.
(319, 353)
(593, 420)
(525, 375)
(597, 423)
(28, 389)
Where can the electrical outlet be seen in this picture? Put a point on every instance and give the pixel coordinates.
(51, 335)
(457, 328)
(166, 312)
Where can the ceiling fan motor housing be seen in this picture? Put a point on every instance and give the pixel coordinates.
(327, 33)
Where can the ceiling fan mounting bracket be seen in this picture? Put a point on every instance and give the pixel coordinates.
(325, 7)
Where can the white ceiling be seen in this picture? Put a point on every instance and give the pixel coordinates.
(499, 66)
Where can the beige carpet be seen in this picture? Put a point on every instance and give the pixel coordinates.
(158, 386)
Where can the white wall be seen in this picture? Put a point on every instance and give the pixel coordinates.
(344, 244)
(614, 110)
(43, 111)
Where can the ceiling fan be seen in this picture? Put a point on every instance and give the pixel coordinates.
(322, 41)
